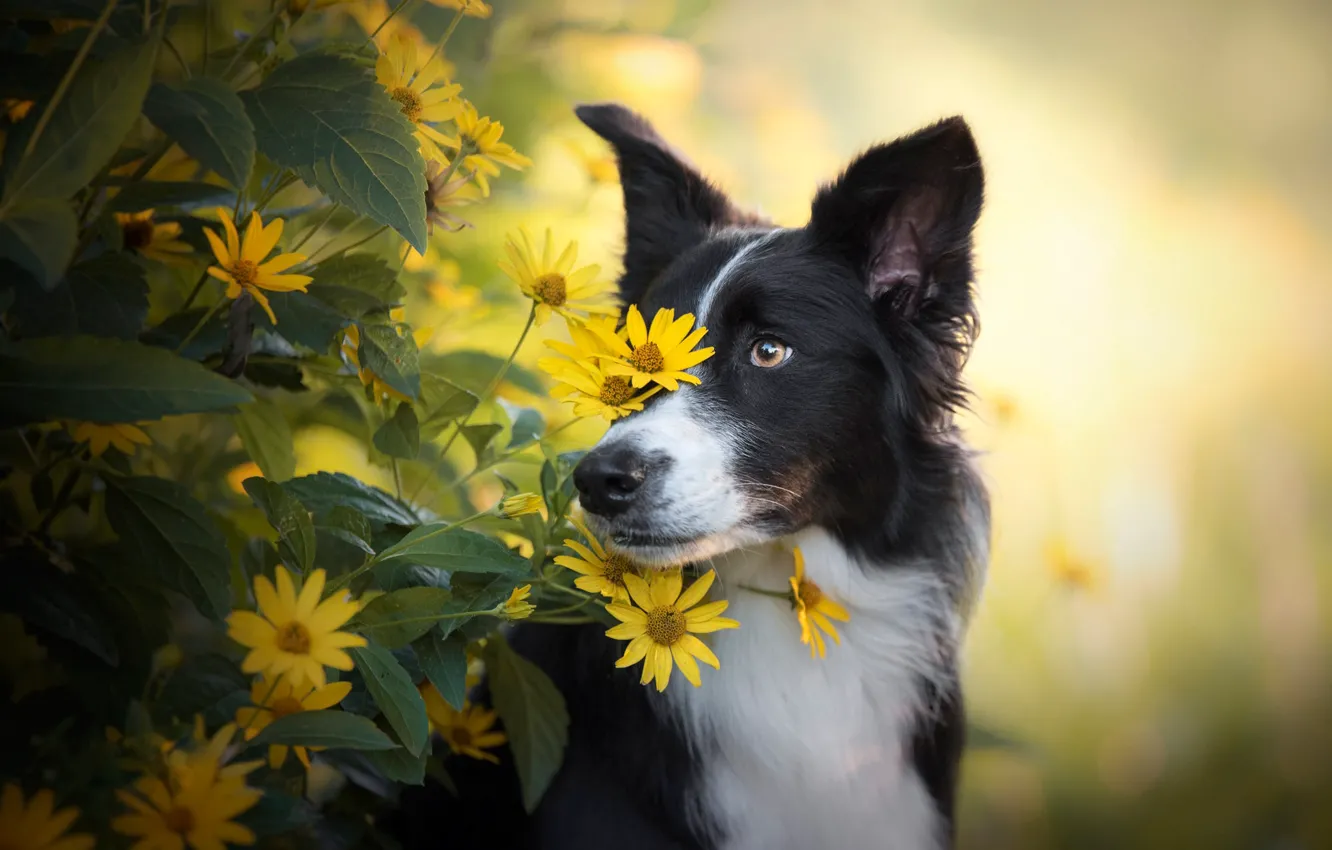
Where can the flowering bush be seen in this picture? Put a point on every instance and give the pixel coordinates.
(203, 256)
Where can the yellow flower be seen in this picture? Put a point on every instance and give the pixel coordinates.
(521, 504)
(814, 610)
(294, 635)
(159, 242)
(204, 763)
(241, 263)
(1070, 570)
(516, 607)
(16, 110)
(551, 281)
(467, 732)
(661, 629)
(600, 166)
(351, 349)
(594, 393)
(36, 824)
(413, 87)
(481, 139)
(471, 8)
(585, 345)
(599, 571)
(99, 436)
(658, 353)
(171, 817)
(270, 701)
(440, 193)
(237, 475)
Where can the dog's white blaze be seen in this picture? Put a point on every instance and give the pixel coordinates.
(714, 286)
(809, 752)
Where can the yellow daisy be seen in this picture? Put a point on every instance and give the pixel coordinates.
(99, 436)
(143, 236)
(471, 8)
(467, 732)
(459, 191)
(594, 393)
(242, 265)
(585, 345)
(551, 280)
(521, 504)
(271, 701)
(204, 763)
(413, 87)
(814, 611)
(516, 607)
(659, 353)
(599, 571)
(351, 349)
(661, 628)
(480, 137)
(36, 824)
(169, 817)
(295, 635)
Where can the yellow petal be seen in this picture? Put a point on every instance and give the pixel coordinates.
(286, 591)
(633, 323)
(660, 658)
(687, 665)
(699, 650)
(665, 588)
(635, 651)
(625, 631)
(639, 591)
(310, 593)
(627, 614)
(249, 629)
(696, 591)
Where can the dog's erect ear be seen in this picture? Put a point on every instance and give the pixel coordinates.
(668, 206)
(903, 214)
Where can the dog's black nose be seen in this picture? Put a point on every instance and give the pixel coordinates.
(609, 477)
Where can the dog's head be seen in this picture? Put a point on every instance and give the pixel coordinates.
(838, 348)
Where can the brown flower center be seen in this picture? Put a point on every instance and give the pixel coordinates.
(665, 625)
(284, 706)
(550, 289)
(245, 272)
(810, 593)
(137, 234)
(461, 736)
(179, 819)
(294, 638)
(615, 391)
(647, 357)
(410, 102)
(616, 565)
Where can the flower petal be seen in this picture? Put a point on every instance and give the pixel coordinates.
(665, 587)
(639, 591)
(699, 650)
(627, 614)
(249, 629)
(696, 591)
(687, 665)
(635, 651)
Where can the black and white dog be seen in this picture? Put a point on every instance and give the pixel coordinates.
(823, 420)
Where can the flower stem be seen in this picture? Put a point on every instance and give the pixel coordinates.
(203, 320)
(370, 39)
(773, 593)
(494, 382)
(355, 244)
(68, 79)
(263, 702)
(332, 208)
(194, 293)
(61, 500)
(242, 49)
(343, 581)
(444, 39)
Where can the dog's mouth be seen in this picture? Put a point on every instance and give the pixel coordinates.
(669, 548)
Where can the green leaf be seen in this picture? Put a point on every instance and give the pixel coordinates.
(357, 284)
(395, 693)
(984, 738)
(382, 620)
(302, 319)
(454, 549)
(400, 436)
(324, 491)
(200, 683)
(527, 428)
(264, 433)
(350, 520)
(53, 601)
(330, 728)
(444, 660)
(105, 380)
(474, 370)
(206, 118)
(534, 716)
(87, 126)
(392, 357)
(479, 437)
(296, 534)
(163, 529)
(153, 194)
(329, 120)
(105, 296)
(476, 594)
(398, 765)
(39, 234)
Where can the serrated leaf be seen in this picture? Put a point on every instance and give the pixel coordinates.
(395, 693)
(39, 234)
(399, 765)
(105, 380)
(349, 519)
(357, 284)
(329, 728)
(153, 194)
(266, 436)
(324, 491)
(302, 319)
(444, 660)
(392, 357)
(53, 601)
(329, 120)
(400, 435)
(395, 619)
(105, 296)
(207, 119)
(454, 549)
(87, 126)
(296, 534)
(162, 528)
(534, 715)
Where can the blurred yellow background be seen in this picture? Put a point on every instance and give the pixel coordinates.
(1150, 664)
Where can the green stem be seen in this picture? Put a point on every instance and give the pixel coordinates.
(453, 25)
(242, 49)
(61, 500)
(194, 293)
(151, 159)
(207, 25)
(274, 189)
(203, 320)
(263, 702)
(466, 147)
(561, 621)
(773, 593)
(370, 39)
(176, 53)
(332, 208)
(343, 581)
(428, 618)
(68, 79)
(568, 591)
(350, 247)
(494, 382)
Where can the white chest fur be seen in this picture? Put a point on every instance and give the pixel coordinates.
(811, 753)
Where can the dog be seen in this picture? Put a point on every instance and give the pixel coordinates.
(824, 421)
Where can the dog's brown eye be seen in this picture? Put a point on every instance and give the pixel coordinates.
(769, 352)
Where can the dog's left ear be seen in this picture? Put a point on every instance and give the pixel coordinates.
(902, 215)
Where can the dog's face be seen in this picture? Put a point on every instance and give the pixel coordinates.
(838, 346)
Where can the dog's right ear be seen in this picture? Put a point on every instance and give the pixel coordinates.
(668, 206)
